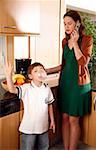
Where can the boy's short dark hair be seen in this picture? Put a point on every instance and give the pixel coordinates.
(30, 68)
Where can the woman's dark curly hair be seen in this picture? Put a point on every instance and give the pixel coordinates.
(76, 17)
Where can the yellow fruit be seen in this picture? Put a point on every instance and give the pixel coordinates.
(20, 81)
(18, 78)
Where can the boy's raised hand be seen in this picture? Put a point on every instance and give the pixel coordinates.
(8, 73)
(8, 68)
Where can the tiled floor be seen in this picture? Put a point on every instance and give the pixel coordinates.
(80, 147)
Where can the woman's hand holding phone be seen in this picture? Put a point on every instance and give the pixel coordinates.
(74, 36)
(75, 33)
(73, 39)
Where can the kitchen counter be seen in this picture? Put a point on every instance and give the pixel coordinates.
(9, 102)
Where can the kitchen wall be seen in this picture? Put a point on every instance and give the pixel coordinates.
(47, 47)
(82, 5)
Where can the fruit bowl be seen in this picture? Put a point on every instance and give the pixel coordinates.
(5, 87)
(18, 79)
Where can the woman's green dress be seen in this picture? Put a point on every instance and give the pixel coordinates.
(74, 99)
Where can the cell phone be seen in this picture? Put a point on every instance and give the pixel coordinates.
(77, 26)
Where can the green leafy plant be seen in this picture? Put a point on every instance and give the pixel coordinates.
(90, 29)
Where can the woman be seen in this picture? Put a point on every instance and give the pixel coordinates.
(74, 83)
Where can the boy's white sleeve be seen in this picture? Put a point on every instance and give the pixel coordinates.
(21, 91)
(50, 97)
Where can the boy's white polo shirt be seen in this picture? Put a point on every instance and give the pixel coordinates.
(35, 100)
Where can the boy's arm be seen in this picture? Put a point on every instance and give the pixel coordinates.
(51, 116)
(10, 84)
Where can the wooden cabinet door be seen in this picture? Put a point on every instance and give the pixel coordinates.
(19, 17)
(9, 135)
(92, 123)
(3, 17)
(89, 125)
(7, 22)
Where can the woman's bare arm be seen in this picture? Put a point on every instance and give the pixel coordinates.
(54, 69)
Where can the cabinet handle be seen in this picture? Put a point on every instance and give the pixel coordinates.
(94, 103)
(10, 27)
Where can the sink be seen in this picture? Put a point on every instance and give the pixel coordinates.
(52, 79)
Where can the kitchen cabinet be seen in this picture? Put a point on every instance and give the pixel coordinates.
(3, 16)
(7, 23)
(9, 135)
(19, 17)
(89, 125)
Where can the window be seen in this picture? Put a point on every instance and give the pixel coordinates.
(2, 55)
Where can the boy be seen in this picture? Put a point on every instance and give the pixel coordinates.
(37, 100)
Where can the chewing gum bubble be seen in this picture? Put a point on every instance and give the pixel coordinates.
(42, 75)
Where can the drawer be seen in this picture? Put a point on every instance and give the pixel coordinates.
(9, 106)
